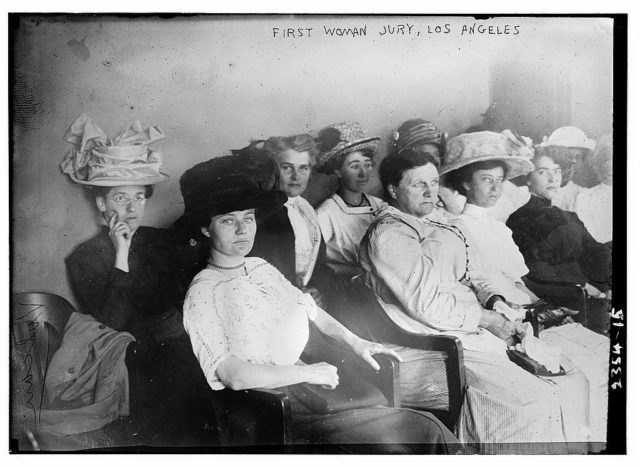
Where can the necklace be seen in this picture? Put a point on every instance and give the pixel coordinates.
(362, 201)
(224, 267)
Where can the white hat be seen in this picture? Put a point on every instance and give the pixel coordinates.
(569, 137)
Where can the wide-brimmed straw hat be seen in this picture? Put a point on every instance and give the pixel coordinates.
(569, 137)
(225, 184)
(132, 158)
(507, 146)
(339, 139)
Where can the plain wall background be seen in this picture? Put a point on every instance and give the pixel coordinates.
(214, 83)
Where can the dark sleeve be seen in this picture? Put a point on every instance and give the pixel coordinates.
(596, 259)
(324, 278)
(275, 243)
(101, 292)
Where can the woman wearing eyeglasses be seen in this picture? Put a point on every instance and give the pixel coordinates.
(124, 276)
(347, 153)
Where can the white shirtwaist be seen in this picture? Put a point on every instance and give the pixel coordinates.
(343, 227)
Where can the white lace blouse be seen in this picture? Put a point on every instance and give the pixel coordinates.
(259, 317)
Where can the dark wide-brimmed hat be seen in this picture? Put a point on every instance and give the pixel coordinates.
(339, 139)
(132, 158)
(469, 148)
(221, 185)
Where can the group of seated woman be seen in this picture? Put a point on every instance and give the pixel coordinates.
(273, 264)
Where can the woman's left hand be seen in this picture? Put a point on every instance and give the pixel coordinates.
(366, 349)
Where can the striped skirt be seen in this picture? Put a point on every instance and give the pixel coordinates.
(506, 409)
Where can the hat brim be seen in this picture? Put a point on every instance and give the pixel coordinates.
(517, 166)
(589, 145)
(187, 226)
(110, 182)
(372, 144)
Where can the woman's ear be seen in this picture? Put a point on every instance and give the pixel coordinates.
(336, 172)
(102, 206)
(392, 191)
(205, 232)
(467, 186)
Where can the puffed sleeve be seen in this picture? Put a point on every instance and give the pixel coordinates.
(205, 326)
(396, 258)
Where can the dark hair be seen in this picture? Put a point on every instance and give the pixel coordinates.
(277, 145)
(456, 179)
(393, 167)
(335, 164)
(96, 192)
(559, 154)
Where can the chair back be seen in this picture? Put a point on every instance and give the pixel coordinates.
(38, 321)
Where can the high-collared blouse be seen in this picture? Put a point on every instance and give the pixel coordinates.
(259, 317)
(493, 243)
(419, 270)
(343, 227)
(306, 229)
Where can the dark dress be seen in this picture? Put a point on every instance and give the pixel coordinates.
(561, 255)
(147, 302)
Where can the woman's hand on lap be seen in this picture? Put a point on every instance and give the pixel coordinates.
(322, 374)
(509, 331)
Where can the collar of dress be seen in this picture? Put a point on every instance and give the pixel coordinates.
(438, 216)
(291, 201)
(353, 209)
(475, 210)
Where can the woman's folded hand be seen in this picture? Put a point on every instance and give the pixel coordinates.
(322, 374)
(366, 349)
(507, 330)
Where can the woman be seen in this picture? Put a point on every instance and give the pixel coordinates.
(124, 275)
(248, 325)
(290, 238)
(477, 165)
(594, 206)
(569, 147)
(567, 266)
(347, 153)
(419, 269)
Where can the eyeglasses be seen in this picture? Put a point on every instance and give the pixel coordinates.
(124, 200)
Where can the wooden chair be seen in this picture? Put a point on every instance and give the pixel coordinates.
(38, 323)
(364, 316)
(259, 421)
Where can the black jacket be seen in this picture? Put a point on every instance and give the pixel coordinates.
(557, 248)
(121, 300)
